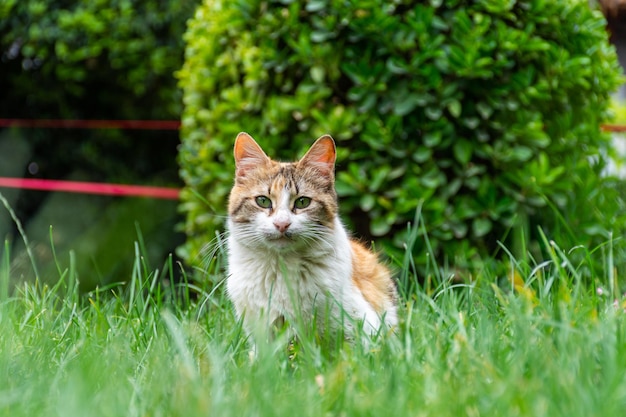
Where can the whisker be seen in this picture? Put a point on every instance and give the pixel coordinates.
(210, 250)
(319, 238)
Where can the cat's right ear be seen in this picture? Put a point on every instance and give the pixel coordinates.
(321, 156)
(248, 154)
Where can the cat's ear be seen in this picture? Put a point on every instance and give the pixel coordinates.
(321, 156)
(248, 154)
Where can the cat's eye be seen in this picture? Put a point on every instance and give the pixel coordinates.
(263, 202)
(302, 202)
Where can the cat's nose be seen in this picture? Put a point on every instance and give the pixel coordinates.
(282, 225)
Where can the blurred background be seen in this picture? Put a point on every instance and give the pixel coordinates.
(108, 60)
(84, 60)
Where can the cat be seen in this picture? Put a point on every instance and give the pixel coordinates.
(290, 256)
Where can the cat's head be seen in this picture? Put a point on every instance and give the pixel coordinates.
(283, 206)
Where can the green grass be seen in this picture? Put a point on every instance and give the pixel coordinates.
(553, 347)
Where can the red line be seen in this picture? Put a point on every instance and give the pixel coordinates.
(613, 128)
(92, 124)
(90, 188)
(143, 124)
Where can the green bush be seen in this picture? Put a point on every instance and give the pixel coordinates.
(65, 58)
(484, 113)
(84, 59)
(110, 59)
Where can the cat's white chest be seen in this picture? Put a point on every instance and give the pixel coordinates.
(269, 285)
(266, 285)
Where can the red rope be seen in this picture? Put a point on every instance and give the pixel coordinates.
(613, 128)
(145, 124)
(92, 124)
(115, 189)
(90, 188)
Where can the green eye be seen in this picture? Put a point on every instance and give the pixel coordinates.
(302, 202)
(263, 202)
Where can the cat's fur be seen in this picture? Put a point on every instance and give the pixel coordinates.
(292, 258)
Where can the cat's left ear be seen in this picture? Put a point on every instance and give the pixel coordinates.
(248, 154)
(322, 156)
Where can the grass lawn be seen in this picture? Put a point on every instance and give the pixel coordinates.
(553, 347)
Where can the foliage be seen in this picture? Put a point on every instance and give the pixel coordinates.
(76, 59)
(484, 113)
(104, 59)
(552, 347)
(618, 110)
(110, 59)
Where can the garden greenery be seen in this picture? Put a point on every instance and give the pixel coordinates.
(84, 59)
(114, 58)
(110, 59)
(484, 114)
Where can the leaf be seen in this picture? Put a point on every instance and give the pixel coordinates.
(319, 36)
(367, 202)
(378, 177)
(379, 226)
(344, 188)
(462, 151)
(317, 74)
(433, 178)
(396, 66)
(432, 139)
(481, 226)
(459, 230)
(422, 154)
(521, 153)
(316, 5)
(405, 105)
(433, 113)
(484, 110)
(471, 122)
(454, 107)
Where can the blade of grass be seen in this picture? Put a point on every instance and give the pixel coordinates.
(22, 233)
(5, 272)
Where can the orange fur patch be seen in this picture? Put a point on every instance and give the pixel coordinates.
(372, 278)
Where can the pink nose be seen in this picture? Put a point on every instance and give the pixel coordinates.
(282, 225)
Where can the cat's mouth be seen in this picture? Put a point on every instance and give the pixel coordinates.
(285, 237)
(281, 239)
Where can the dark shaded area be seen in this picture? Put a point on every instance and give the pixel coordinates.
(616, 19)
(77, 60)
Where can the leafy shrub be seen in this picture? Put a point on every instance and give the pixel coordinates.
(484, 113)
(111, 59)
(66, 58)
(83, 59)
